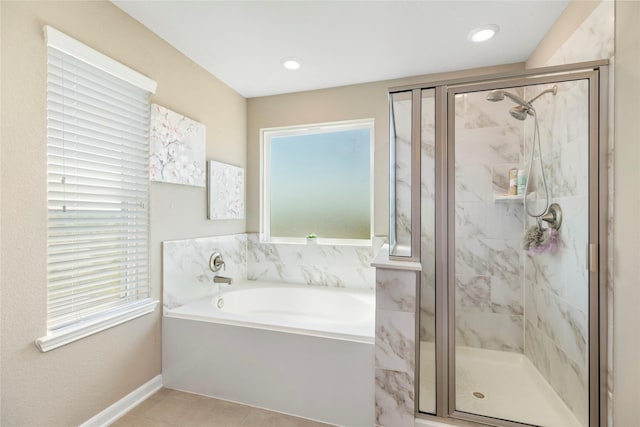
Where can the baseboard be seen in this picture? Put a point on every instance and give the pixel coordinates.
(124, 405)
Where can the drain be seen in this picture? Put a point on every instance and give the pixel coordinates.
(478, 395)
(220, 303)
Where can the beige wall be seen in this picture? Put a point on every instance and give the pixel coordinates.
(71, 384)
(361, 101)
(626, 233)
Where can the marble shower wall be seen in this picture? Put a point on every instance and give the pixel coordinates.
(593, 40)
(488, 233)
(556, 285)
(395, 347)
(345, 266)
(500, 290)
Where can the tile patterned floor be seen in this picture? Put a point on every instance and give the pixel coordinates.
(170, 408)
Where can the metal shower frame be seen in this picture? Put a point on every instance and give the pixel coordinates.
(597, 73)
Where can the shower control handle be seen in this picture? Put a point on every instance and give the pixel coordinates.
(553, 216)
(216, 262)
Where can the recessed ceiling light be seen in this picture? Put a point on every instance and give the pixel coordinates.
(291, 63)
(483, 33)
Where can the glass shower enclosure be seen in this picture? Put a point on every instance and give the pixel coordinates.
(498, 191)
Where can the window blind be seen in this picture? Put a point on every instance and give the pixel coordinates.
(97, 191)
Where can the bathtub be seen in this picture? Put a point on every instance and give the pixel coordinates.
(301, 350)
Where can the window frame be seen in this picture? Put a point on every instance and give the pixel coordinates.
(266, 135)
(109, 316)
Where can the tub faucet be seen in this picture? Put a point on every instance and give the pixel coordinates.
(222, 279)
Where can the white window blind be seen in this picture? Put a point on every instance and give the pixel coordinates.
(97, 190)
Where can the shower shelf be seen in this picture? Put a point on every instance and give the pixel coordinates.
(508, 198)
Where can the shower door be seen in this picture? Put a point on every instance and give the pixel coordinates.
(520, 286)
(511, 214)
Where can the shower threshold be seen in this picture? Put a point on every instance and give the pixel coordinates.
(497, 384)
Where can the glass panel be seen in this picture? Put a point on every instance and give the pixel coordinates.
(400, 174)
(427, 390)
(521, 287)
(320, 183)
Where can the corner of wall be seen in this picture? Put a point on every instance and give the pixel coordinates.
(567, 23)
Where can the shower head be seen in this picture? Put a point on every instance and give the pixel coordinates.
(498, 95)
(495, 95)
(523, 108)
(520, 112)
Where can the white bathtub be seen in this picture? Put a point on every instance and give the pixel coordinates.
(339, 313)
(301, 350)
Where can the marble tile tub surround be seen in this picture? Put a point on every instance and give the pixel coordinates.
(312, 264)
(185, 266)
(186, 274)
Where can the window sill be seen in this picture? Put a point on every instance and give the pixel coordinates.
(92, 326)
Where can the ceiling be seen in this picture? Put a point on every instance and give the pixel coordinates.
(342, 42)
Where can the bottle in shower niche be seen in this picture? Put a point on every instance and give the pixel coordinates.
(513, 182)
(522, 182)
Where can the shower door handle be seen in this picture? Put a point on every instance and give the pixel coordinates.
(592, 257)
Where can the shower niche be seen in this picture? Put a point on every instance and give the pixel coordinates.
(510, 285)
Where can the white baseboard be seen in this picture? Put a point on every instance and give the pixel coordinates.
(124, 405)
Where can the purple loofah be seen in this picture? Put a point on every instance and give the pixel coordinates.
(549, 242)
(552, 239)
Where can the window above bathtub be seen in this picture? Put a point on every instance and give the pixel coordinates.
(317, 180)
